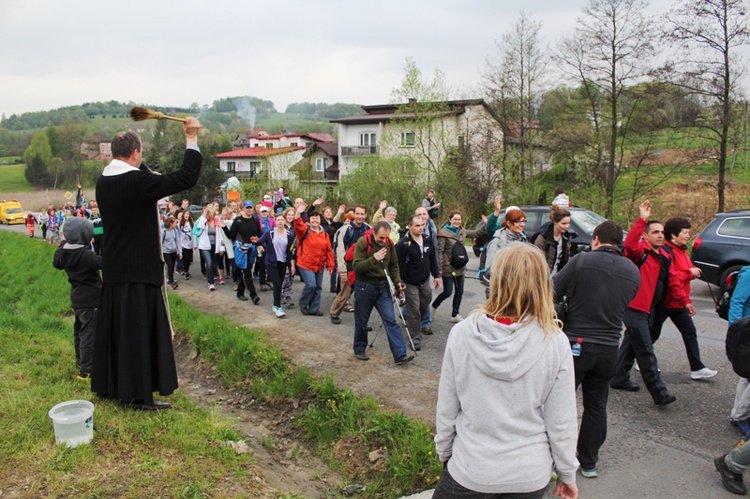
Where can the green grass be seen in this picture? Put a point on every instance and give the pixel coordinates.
(12, 178)
(180, 452)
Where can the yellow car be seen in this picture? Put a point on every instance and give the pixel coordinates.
(11, 212)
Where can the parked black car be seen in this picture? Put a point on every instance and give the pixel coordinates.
(582, 224)
(723, 246)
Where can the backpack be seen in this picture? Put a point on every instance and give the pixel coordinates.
(480, 242)
(726, 290)
(738, 346)
(459, 256)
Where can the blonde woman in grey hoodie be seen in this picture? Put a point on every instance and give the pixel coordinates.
(506, 410)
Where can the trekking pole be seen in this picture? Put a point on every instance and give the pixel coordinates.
(376, 335)
(395, 300)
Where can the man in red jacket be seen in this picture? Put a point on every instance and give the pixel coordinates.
(644, 247)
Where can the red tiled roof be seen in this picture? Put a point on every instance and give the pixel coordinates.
(257, 152)
(318, 137)
(321, 137)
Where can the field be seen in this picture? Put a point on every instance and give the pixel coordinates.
(12, 179)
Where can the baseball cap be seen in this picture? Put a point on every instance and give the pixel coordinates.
(263, 208)
(248, 204)
(267, 197)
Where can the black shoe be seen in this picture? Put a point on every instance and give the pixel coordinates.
(333, 290)
(335, 320)
(317, 314)
(290, 305)
(305, 311)
(369, 328)
(145, 406)
(666, 400)
(362, 356)
(242, 297)
(630, 387)
(256, 300)
(732, 481)
(427, 330)
(404, 359)
(417, 348)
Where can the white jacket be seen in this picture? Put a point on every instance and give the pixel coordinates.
(506, 410)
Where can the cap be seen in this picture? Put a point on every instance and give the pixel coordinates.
(263, 208)
(267, 197)
(248, 204)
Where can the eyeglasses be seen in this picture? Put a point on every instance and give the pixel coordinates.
(519, 222)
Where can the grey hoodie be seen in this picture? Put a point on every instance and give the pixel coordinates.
(506, 411)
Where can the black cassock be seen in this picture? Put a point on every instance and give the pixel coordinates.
(133, 354)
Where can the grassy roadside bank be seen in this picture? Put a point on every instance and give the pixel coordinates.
(179, 453)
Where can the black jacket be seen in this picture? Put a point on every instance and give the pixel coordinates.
(245, 227)
(415, 263)
(605, 285)
(82, 266)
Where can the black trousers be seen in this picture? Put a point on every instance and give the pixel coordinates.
(448, 488)
(637, 344)
(246, 281)
(594, 369)
(276, 273)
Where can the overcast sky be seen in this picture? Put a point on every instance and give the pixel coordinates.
(170, 53)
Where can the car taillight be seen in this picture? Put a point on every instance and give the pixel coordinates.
(697, 242)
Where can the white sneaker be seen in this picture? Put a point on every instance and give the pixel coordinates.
(704, 373)
(211, 287)
(589, 473)
(457, 318)
(279, 312)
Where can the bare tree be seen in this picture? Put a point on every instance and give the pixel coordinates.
(608, 51)
(708, 32)
(512, 81)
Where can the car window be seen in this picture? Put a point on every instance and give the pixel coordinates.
(586, 220)
(13, 210)
(735, 227)
(532, 222)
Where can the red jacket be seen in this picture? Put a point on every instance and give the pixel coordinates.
(681, 266)
(650, 269)
(315, 251)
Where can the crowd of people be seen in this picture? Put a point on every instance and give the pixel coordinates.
(552, 322)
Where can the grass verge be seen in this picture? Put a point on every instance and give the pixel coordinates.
(178, 453)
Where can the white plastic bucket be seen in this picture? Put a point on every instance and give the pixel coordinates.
(73, 422)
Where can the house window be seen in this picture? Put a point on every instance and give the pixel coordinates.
(254, 168)
(321, 164)
(368, 139)
(408, 139)
(293, 144)
(269, 145)
(230, 166)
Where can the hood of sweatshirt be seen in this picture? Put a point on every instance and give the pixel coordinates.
(504, 352)
(78, 231)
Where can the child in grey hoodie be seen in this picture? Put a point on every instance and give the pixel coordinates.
(75, 256)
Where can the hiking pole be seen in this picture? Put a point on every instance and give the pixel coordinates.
(376, 335)
(397, 302)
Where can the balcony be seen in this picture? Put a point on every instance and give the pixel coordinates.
(359, 150)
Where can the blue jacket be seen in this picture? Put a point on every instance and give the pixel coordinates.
(267, 241)
(739, 307)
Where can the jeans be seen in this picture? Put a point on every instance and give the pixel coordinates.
(637, 342)
(448, 488)
(310, 297)
(684, 323)
(207, 256)
(83, 338)
(170, 259)
(594, 368)
(448, 290)
(366, 296)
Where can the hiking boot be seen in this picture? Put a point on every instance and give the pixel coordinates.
(427, 331)
(335, 320)
(732, 481)
(305, 311)
(256, 300)
(404, 359)
(362, 356)
(666, 400)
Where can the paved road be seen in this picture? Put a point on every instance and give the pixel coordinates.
(650, 452)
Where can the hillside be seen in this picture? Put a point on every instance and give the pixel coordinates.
(226, 115)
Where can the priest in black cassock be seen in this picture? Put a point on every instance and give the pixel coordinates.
(133, 356)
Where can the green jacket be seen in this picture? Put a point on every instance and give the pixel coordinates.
(367, 268)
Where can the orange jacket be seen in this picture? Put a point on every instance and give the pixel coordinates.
(314, 249)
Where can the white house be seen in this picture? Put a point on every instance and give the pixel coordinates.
(425, 135)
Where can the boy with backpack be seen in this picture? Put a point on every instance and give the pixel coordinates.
(75, 256)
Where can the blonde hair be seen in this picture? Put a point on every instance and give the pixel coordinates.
(520, 287)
